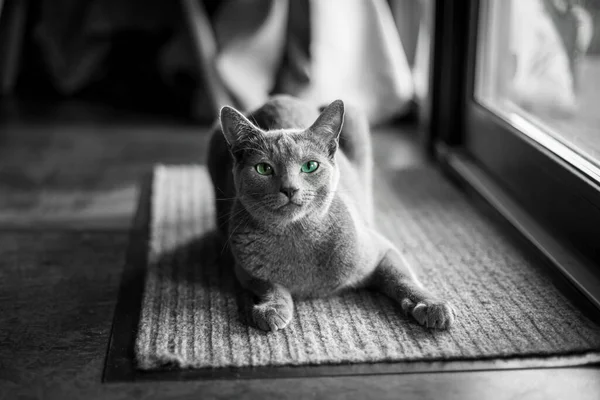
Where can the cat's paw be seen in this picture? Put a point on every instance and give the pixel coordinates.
(271, 316)
(432, 314)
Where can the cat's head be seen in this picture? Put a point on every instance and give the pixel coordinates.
(282, 175)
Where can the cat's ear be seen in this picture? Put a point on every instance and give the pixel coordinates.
(329, 125)
(235, 126)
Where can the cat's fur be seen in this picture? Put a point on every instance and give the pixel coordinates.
(321, 239)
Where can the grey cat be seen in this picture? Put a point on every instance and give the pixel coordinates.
(295, 190)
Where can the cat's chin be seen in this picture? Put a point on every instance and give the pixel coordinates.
(290, 211)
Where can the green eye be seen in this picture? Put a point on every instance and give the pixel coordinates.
(263, 169)
(310, 166)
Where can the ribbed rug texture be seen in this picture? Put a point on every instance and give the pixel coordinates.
(193, 315)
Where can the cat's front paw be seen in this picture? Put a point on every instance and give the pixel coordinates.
(430, 313)
(272, 316)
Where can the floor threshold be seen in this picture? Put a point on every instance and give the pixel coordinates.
(577, 268)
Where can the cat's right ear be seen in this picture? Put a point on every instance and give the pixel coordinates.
(328, 125)
(235, 126)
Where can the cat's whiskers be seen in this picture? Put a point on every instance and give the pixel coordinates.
(244, 208)
(226, 198)
(230, 235)
(237, 197)
(230, 216)
(227, 218)
(245, 219)
(219, 189)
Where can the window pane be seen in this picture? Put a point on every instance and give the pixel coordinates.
(538, 66)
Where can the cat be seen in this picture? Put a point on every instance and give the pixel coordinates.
(295, 189)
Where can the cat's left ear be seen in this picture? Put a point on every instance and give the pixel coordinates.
(329, 125)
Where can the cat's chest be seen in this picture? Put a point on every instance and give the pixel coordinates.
(307, 263)
(260, 249)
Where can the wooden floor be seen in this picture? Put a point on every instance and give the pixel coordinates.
(68, 186)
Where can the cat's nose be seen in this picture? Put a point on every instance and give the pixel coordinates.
(288, 191)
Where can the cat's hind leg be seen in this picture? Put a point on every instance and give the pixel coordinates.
(355, 142)
(274, 309)
(355, 137)
(394, 278)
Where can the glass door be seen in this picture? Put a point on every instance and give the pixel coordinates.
(538, 67)
(531, 109)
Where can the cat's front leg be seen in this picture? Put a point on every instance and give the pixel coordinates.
(394, 278)
(275, 307)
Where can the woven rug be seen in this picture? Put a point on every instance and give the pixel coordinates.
(193, 315)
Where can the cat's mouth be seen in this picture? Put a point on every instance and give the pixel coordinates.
(290, 205)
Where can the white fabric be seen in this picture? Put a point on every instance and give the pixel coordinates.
(357, 56)
(252, 36)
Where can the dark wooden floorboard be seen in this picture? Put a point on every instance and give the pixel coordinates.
(64, 169)
(68, 189)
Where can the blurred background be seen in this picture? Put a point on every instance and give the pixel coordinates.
(188, 57)
(94, 93)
